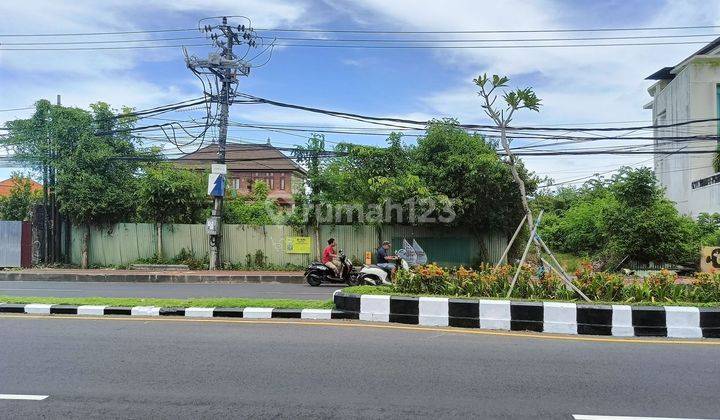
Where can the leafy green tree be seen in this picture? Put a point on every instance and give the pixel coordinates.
(709, 229)
(94, 155)
(316, 183)
(252, 209)
(467, 169)
(167, 194)
(19, 203)
(626, 216)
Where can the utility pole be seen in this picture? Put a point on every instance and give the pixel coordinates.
(224, 66)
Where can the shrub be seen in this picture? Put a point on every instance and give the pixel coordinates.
(660, 287)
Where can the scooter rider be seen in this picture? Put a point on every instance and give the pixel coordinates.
(330, 257)
(385, 260)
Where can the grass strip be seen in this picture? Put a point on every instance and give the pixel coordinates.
(176, 303)
(388, 290)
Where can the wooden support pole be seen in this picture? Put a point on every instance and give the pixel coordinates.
(525, 252)
(560, 270)
(509, 245)
(566, 280)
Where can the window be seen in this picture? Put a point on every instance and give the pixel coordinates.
(282, 183)
(236, 183)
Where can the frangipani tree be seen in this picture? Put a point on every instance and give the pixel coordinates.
(502, 114)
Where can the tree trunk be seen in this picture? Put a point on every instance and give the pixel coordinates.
(317, 239)
(516, 176)
(159, 226)
(84, 262)
(523, 194)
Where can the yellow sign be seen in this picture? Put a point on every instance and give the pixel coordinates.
(710, 260)
(298, 244)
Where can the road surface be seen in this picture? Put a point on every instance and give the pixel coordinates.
(143, 368)
(165, 290)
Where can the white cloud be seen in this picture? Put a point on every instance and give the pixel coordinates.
(576, 84)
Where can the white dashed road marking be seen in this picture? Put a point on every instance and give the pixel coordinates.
(22, 397)
(590, 417)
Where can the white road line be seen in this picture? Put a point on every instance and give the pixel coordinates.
(40, 290)
(590, 417)
(22, 397)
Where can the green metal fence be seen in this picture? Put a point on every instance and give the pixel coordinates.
(125, 243)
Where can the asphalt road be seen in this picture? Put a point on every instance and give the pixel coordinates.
(176, 369)
(165, 290)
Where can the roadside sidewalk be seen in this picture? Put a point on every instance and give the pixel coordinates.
(183, 276)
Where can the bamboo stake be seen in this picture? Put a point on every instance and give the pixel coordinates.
(525, 252)
(562, 272)
(566, 281)
(509, 245)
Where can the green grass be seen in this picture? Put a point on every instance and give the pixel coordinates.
(176, 303)
(569, 262)
(388, 290)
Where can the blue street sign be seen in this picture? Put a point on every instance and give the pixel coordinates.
(216, 185)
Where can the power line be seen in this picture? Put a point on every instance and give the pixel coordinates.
(142, 31)
(116, 41)
(369, 31)
(495, 31)
(382, 47)
(105, 48)
(17, 109)
(375, 119)
(484, 47)
(592, 38)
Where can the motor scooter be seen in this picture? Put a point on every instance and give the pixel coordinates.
(318, 273)
(377, 276)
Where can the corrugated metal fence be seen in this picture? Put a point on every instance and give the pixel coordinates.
(15, 244)
(125, 243)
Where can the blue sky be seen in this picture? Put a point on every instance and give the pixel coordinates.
(577, 85)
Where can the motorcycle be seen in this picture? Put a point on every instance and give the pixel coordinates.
(318, 273)
(377, 276)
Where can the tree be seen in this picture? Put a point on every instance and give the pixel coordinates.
(626, 216)
(18, 204)
(94, 155)
(447, 168)
(252, 209)
(310, 155)
(467, 169)
(514, 100)
(167, 194)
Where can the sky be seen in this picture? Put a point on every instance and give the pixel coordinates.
(582, 85)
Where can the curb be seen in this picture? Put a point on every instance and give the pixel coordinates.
(193, 312)
(152, 277)
(552, 317)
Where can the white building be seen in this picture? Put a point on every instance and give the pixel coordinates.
(686, 92)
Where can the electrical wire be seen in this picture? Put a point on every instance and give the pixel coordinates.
(143, 31)
(488, 31)
(371, 119)
(105, 48)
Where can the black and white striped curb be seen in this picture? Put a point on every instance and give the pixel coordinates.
(217, 312)
(553, 317)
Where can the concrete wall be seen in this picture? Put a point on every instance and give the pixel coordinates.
(691, 95)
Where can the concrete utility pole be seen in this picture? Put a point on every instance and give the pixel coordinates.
(224, 66)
